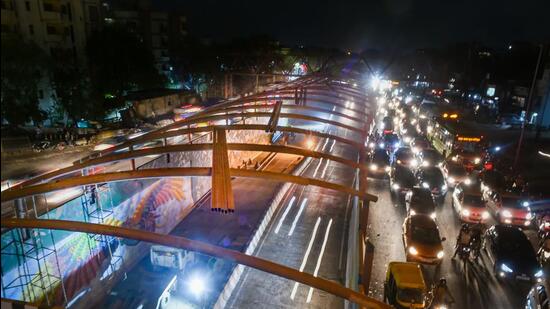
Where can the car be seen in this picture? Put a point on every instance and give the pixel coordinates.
(538, 296)
(390, 142)
(510, 209)
(469, 205)
(403, 156)
(429, 157)
(512, 254)
(509, 119)
(431, 178)
(421, 240)
(418, 144)
(405, 286)
(420, 201)
(469, 159)
(401, 180)
(455, 173)
(379, 163)
(387, 125)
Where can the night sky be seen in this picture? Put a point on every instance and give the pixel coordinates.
(360, 25)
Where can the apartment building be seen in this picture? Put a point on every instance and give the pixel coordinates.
(59, 27)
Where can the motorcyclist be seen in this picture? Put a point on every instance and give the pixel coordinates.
(463, 239)
(441, 294)
(476, 233)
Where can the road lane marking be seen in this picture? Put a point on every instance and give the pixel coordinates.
(290, 204)
(324, 170)
(332, 146)
(306, 255)
(317, 168)
(302, 206)
(310, 292)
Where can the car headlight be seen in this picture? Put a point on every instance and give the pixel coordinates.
(373, 167)
(414, 163)
(387, 169)
(505, 268)
(371, 145)
(407, 139)
(529, 216)
(444, 187)
(525, 204)
(395, 186)
(539, 273)
(433, 215)
(485, 215)
(465, 212)
(451, 180)
(413, 251)
(425, 163)
(412, 212)
(440, 254)
(477, 160)
(506, 214)
(381, 145)
(398, 161)
(468, 181)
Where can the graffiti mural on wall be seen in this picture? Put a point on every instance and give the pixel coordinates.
(82, 259)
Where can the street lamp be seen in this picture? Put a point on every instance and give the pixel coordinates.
(529, 100)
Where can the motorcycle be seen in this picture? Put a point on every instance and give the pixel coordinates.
(543, 254)
(41, 146)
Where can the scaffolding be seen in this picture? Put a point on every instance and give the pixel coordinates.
(95, 212)
(35, 279)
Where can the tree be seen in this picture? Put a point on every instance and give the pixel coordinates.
(120, 62)
(24, 65)
(73, 92)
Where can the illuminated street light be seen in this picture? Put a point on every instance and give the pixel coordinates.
(375, 82)
(310, 143)
(196, 285)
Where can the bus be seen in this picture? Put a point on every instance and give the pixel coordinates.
(449, 136)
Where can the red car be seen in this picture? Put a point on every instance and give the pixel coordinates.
(510, 209)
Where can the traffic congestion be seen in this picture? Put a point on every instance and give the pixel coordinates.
(433, 165)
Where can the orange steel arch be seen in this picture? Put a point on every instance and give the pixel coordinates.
(204, 248)
(160, 135)
(173, 172)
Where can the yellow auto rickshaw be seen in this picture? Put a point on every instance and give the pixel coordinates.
(404, 286)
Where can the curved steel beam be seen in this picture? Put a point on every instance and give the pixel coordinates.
(204, 248)
(172, 172)
(287, 106)
(266, 114)
(160, 135)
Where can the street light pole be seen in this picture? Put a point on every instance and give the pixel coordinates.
(529, 100)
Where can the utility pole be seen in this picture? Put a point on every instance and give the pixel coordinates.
(529, 100)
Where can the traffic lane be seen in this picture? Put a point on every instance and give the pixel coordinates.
(312, 240)
(473, 287)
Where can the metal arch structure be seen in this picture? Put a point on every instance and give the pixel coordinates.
(316, 85)
(174, 172)
(197, 246)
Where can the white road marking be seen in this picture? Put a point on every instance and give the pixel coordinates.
(317, 168)
(290, 204)
(306, 255)
(310, 292)
(302, 206)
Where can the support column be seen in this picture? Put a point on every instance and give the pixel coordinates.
(222, 192)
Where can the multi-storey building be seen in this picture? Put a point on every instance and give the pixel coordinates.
(59, 27)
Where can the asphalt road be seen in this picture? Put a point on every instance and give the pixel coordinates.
(308, 233)
(473, 286)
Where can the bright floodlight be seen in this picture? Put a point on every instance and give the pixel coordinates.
(375, 82)
(310, 143)
(196, 285)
